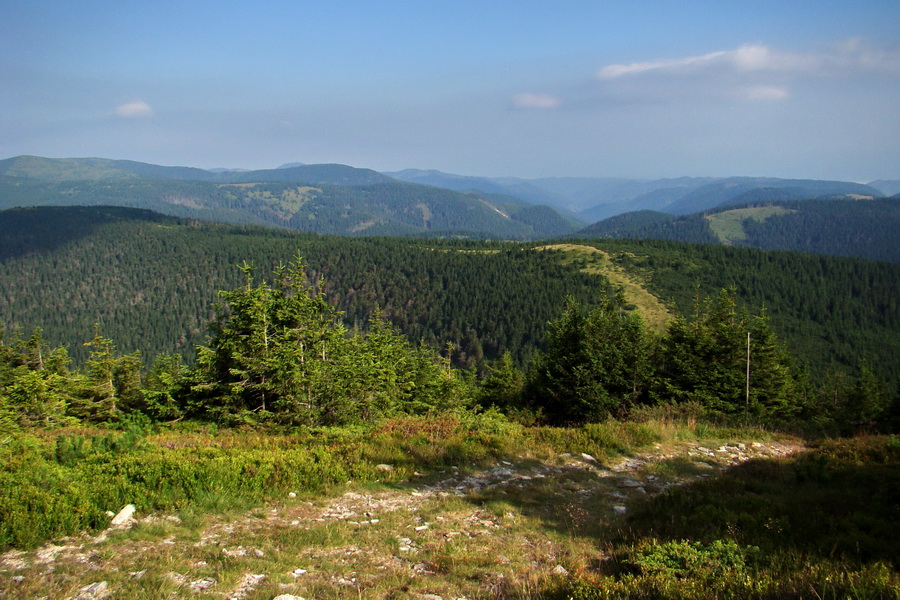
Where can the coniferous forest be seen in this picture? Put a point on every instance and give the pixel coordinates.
(147, 291)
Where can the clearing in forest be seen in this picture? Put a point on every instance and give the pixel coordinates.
(599, 262)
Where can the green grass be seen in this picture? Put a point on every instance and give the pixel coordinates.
(728, 226)
(817, 525)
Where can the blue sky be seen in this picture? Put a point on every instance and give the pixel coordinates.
(527, 89)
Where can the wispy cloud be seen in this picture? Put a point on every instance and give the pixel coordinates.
(765, 92)
(134, 110)
(851, 55)
(530, 100)
(751, 72)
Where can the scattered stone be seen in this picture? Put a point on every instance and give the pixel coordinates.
(202, 584)
(628, 482)
(422, 527)
(258, 553)
(588, 457)
(137, 574)
(560, 570)
(125, 516)
(422, 569)
(430, 597)
(298, 572)
(18, 578)
(93, 591)
(246, 585)
(292, 494)
(288, 597)
(620, 510)
(384, 468)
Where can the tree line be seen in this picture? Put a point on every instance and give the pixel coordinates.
(151, 281)
(279, 353)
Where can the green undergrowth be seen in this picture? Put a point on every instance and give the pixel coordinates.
(62, 482)
(819, 525)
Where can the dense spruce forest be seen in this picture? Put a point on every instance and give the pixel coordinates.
(151, 283)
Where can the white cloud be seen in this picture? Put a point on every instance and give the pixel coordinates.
(690, 62)
(765, 92)
(134, 110)
(529, 100)
(850, 56)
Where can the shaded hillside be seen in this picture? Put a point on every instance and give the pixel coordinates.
(863, 228)
(151, 281)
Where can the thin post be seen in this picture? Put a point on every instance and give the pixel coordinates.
(747, 400)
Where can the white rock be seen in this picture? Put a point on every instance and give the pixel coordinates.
(124, 517)
(560, 570)
(588, 457)
(628, 482)
(202, 584)
(384, 468)
(94, 590)
(620, 510)
(288, 597)
(292, 494)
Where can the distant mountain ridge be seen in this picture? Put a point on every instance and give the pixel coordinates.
(330, 198)
(594, 199)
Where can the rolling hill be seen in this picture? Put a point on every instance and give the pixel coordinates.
(328, 199)
(863, 228)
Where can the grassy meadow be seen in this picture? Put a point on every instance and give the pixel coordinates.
(453, 505)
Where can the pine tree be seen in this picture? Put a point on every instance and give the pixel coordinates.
(596, 364)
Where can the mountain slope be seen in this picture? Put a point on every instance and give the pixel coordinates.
(333, 199)
(863, 228)
(151, 282)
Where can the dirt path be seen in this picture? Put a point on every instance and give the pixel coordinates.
(491, 533)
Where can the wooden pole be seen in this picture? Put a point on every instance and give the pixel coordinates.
(747, 400)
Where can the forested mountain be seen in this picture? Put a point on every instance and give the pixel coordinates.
(331, 199)
(863, 228)
(325, 198)
(151, 282)
(96, 169)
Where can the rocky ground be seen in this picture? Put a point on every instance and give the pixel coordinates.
(500, 532)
